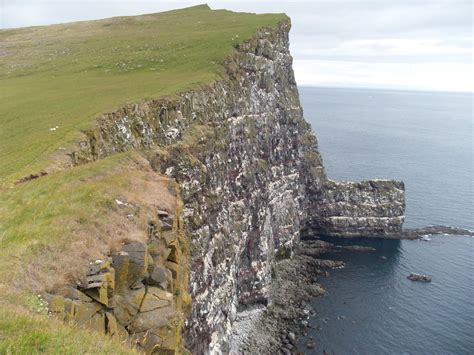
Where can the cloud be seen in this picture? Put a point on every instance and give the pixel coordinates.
(377, 42)
(443, 76)
(390, 49)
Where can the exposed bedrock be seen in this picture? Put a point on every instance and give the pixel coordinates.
(347, 209)
(251, 179)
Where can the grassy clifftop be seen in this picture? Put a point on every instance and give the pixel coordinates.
(55, 80)
(64, 75)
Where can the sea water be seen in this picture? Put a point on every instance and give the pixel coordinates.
(424, 139)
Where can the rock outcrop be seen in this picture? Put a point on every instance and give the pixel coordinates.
(251, 180)
(348, 209)
(418, 277)
(137, 295)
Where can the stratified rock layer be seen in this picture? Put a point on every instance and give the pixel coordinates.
(251, 179)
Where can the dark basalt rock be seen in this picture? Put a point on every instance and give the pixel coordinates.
(414, 233)
(418, 277)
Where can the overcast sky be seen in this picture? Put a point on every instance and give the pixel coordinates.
(401, 44)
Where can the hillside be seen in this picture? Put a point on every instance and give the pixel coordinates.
(156, 171)
(65, 75)
(57, 79)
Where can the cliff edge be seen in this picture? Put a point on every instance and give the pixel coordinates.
(251, 180)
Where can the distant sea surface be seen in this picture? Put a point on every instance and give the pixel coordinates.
(424, 139)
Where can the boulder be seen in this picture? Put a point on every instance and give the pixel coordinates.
(165, 226)
(97, 323)
(154, 319)
(98, 266)
(155, 298)
(125, 307)
(158, 276)
(69, 310)
(56, 304)
(162, 214)
(138, 260)
(174, 252)
(124, 311)
(84, 311)
(100, 294)
(112, 325)
(120, 262)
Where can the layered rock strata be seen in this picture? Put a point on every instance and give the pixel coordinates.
(349, 209)
(251, 179)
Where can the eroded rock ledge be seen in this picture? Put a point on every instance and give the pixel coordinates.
(251, 180)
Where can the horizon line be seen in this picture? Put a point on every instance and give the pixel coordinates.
(361, 87)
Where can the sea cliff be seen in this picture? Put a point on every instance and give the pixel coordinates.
(159, 179)
(251, 177)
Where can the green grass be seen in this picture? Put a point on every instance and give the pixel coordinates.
(41, 216)
(65, 75)
(49, 229)
(24, 333)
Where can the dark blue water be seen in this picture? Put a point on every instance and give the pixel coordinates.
(424, 139)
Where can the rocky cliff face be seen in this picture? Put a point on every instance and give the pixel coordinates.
(251, 180)
(370, 208)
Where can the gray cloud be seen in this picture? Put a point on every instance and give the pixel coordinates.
(331, 33)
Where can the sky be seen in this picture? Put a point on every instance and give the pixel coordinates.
(392, 44)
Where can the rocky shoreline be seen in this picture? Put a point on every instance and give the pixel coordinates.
(275, 329)
(416, 233)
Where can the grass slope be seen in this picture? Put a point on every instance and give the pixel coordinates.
(25, 333)
(64, 75)
(51, 228)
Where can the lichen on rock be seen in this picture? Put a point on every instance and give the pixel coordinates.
(131, 294)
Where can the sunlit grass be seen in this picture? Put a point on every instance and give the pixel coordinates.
(22, 332)
(65, 75)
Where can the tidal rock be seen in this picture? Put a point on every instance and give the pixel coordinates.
(418, 277)
(358, 248)
(330, 264)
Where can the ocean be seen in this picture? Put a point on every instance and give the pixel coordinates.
(424, 139)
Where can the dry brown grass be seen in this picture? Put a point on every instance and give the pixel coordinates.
(95, 227)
